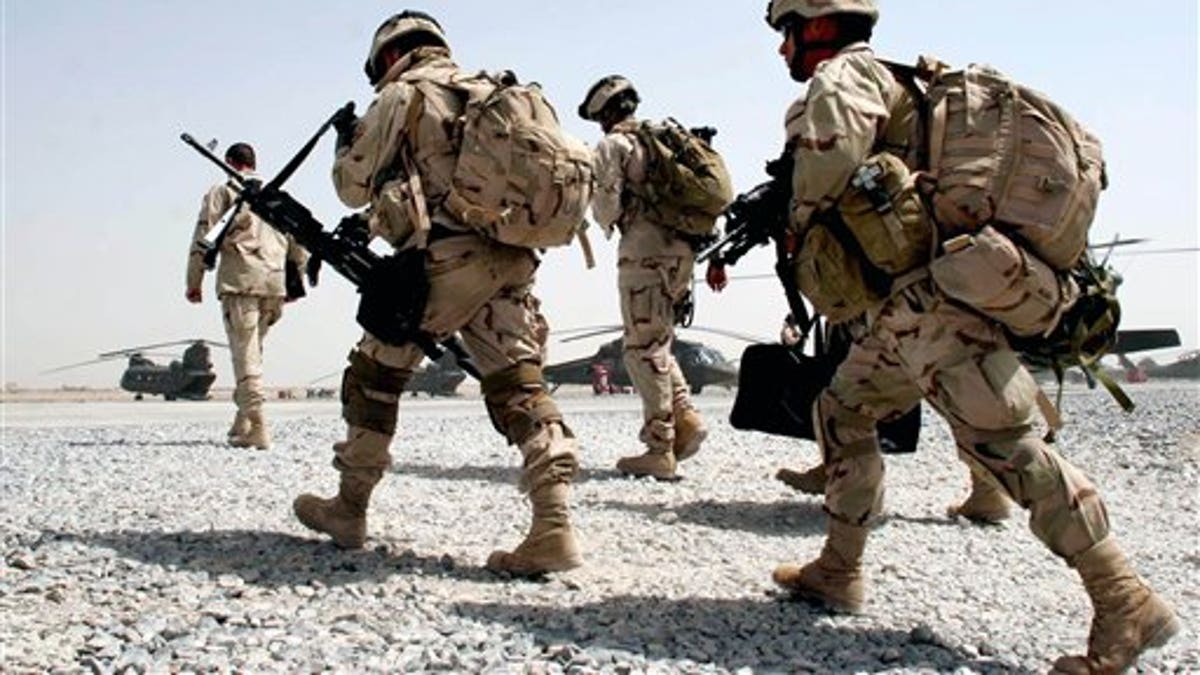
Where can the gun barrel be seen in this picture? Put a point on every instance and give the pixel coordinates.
(207, 154)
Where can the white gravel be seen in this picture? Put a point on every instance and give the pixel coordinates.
(132, 538)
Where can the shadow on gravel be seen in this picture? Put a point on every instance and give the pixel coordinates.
(762, 635)
(507, 475)
(208, 443)
(270, 559)
(786, 518)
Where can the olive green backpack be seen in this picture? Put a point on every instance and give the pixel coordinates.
(687, 185)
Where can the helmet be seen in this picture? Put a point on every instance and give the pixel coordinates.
(811, 9)
(603, 92)
(406, 24)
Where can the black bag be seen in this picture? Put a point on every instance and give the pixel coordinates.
(778, 385)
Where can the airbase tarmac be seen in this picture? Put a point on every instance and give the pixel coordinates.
(133, 537)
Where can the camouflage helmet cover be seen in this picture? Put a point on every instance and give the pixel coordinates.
(602, 92)
(408, 22)
(811, 9)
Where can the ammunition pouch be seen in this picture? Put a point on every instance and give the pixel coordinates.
(534, 409)
(778, 388)
(371, 393)
(829, 271)
(992, 275)
(885, 213)
(394, 297)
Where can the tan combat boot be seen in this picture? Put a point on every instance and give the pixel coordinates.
(835, 578)
(256, 436)
(657, 463)
(690, 432)
(811, 482)
(344, 516)
(240, 426)
(550, 545)
(1127, 616)
(986, 505)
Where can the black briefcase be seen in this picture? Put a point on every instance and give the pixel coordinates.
(777, 386)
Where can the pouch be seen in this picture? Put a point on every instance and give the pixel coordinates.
(1001, 280)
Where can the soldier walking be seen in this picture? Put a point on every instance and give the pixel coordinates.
(921, 345)
(654, 274)
(399, 159)
(251, 286)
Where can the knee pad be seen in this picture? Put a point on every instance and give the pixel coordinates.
(371, 393)
(517, 401)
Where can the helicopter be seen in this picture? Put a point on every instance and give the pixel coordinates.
(702, 365)
(436, 378)
(188, 377)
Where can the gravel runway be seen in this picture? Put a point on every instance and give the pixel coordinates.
(133, 538)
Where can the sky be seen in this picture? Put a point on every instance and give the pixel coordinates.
(99, 196)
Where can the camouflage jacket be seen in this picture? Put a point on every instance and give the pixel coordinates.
(853, 107)
(251, 260)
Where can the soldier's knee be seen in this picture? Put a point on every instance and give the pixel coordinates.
(518, 403)
(841, 431)
(371, 393)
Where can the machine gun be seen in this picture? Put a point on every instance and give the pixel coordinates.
(755, 217)
(394, 288)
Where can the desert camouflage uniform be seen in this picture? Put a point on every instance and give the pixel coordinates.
(478, 287)
(919, 345)
(654, 272)
(250, 284)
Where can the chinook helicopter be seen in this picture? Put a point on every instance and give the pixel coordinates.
(605, 371)
(435, 378)
(188, 377)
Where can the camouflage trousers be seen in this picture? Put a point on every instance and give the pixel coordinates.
(482, 291)
(649, 289)
(920, 345)
(247, 320)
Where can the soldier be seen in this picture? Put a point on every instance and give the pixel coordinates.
(654, 273)
(251, 285)
(478, 287)
(920, 345)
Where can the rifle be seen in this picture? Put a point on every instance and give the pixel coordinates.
(756, 218)
(394, 288)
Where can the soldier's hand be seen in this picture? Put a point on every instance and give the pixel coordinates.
(312, 270)
(715, 277)
(193, 295)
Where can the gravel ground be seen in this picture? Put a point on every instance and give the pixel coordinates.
(149, 545)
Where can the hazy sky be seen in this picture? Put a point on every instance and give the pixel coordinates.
(99, 195)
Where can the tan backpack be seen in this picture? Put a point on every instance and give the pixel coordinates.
(519, 178)
(1006, 155)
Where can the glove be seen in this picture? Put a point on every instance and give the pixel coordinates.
(312, 270)
(344, 123)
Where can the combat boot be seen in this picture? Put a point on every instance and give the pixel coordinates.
(657, 463)
(834, 579)
(690, 432)
(1127, 616)
(811, 482)
(344, 516)
(256, 436)
(550, 545)
(986, 505)
(240, 426)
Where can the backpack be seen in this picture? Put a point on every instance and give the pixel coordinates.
(519, 178)
(687, 185)
(1006, 155)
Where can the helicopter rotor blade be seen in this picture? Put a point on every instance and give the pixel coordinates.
(132, 350)
(1159, 251)
(1117, 241)
(753, 339)
(594, 333)
(80, 364)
